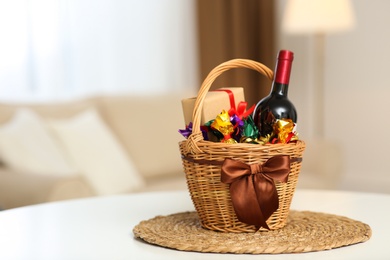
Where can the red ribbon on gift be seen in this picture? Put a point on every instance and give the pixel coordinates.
(231, 97)
(241, 111)
(252, 187)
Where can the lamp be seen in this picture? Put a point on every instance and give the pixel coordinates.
(318, 18)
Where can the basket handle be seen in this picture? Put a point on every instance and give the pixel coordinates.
(196, 135)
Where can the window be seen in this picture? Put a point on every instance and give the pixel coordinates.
(64, 48)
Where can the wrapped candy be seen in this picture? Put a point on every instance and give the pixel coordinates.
(188, 130)
(284, 131)
(238, 125)
(223, 125)
(250, 132)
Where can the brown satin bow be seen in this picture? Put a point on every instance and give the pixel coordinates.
(252, 187)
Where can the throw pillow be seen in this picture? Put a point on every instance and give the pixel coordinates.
(97, 153)
(26, 145)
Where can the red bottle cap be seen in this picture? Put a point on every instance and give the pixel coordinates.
(286, 55)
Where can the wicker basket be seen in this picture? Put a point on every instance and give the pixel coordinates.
(202, 166)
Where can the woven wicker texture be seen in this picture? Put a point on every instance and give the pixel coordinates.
(211, 198)
(305, 232)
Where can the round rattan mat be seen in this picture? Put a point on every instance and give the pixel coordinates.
(305, 232)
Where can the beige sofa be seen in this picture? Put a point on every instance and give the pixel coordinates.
(145, 128)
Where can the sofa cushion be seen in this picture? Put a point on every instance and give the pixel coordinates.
(148, 127)
(96, 153)
(47, 109)
(26, 145)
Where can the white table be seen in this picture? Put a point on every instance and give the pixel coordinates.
(101, 228)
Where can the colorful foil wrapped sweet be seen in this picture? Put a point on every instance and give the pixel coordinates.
(250, 132)
(283, 129)
(223, 125)
(188, 130)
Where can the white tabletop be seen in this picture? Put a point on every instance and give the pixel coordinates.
(101, 228)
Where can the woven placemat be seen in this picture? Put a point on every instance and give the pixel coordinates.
(305, 232)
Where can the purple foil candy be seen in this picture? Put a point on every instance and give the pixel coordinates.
(188, 131)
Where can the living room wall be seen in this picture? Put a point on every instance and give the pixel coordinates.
(356, 94)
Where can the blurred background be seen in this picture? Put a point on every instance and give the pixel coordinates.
(65, 49)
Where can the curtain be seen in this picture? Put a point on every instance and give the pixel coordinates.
(60, 48)
(229, 29)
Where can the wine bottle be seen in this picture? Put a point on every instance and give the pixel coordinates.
(276, 105)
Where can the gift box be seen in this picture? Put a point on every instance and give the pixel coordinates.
(214, 102)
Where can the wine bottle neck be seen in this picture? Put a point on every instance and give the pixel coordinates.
(282, 73)
(279, 89)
